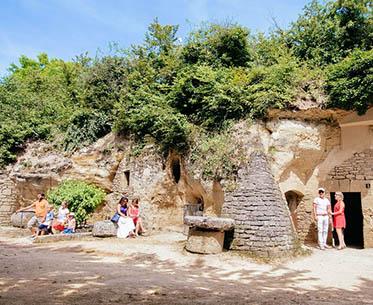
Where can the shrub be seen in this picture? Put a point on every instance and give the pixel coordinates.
(85, 127)
(217, 156)
(349, 83)
(82, 197)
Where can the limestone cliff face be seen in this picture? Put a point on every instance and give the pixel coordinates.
(303, 154)
(42, 167)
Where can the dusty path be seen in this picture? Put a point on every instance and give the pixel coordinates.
(156, 270)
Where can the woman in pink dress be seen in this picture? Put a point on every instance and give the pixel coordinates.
(339, 221)
(134, 213)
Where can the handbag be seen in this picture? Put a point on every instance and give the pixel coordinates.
(115, 218)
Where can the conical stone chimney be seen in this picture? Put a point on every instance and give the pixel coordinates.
(263, 225)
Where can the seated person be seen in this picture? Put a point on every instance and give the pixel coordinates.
(46, 225)
(71, 224)
(63, 211)
(134, 213)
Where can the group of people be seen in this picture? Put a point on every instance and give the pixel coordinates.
(323, 214)
(127, 216)
(44, 219)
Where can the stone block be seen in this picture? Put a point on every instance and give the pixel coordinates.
(21, 219)
(205, 242)
(210, 223)
(104, 228)
(62, 237)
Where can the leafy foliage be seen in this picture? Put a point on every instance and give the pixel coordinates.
(349, 82)
(85, 127)
(82, 197)
(327, 33)
(225, 45)
(165, 89)
(217, 156)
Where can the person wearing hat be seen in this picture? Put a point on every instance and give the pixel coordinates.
(71, 224)
(322, 210)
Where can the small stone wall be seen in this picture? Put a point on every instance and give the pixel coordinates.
(8, 199)
(262, 219)
(359, 167)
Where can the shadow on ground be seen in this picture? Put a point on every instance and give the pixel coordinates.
(36, 275)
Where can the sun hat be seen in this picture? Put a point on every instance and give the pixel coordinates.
(321, 189)
(71, 214)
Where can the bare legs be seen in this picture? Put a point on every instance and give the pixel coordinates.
(139, 227)
(341, 239)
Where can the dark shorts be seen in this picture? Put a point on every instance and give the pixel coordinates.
(43, 227)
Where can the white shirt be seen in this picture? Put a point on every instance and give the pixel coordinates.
(321, 205)
(62, 214)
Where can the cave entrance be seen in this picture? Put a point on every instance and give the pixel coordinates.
(176, 170)
(354, 236)
(293, 198)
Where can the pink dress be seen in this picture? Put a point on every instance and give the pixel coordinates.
(339, 219)
(134, 213)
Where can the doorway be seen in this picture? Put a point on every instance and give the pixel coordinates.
(354, 236)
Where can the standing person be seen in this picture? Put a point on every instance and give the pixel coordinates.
(322, 210)
(339, 221)
(125, 223)
(41, 207)
(134, 213)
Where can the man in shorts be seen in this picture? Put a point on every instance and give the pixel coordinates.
(322, 210)
(41, 208)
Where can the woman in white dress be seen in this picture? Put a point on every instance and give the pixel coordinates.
(125, 223)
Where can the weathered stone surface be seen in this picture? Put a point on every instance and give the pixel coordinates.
(8, 199)
(62, 237)
(205, 242)
(262, 219)
(21, 219)
(42, 167)
(358, 167)
(104, 228)
(210, 223)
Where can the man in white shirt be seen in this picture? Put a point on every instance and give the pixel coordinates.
(322, 210)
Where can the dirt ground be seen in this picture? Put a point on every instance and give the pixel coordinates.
(157, 270)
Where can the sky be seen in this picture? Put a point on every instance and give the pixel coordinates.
(66, 28)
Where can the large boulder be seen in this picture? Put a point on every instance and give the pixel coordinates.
(20, 219)
(104, 228)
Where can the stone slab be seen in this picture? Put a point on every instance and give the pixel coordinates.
(205, 242)
(62, 237)
(209, 223)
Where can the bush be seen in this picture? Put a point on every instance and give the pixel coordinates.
(82, 197)
(85, 127)
(217, 156)
(349, 83)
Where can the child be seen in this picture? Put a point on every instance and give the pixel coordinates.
(46, 226)
(134, 213)
(71, 224)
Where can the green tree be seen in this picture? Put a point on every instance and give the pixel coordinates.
(216, 44)
(327, 33)
(349, 83)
